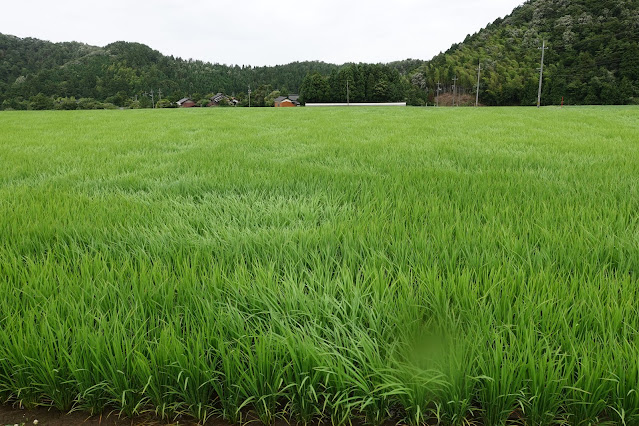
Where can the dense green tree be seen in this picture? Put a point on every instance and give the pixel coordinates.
(315, 88)
(270, 98)
(363, 82)
(41, 102)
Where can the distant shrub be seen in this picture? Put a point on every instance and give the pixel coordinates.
(164, 103)
(66, 104)
(88, 103)
(15, 104)
(120, 99)
(145, 102)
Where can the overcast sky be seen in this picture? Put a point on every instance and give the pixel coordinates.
(260, 32)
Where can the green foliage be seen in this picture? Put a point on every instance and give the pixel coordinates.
(270, 98)
(88, 103)
(164, 103)
(406, 265)
(41, 102)
(315, 88)
(66, 103)
(366, 83)
(593, 55)
(18, 104)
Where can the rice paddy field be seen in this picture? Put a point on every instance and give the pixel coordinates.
(419, 266)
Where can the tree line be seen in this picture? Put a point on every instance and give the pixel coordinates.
(356, 83)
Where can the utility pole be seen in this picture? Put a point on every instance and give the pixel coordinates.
(159, 95)
(249, 93)
(348, 94)
(478, 75)
(454, 88)
(541, 72)
(152, 99)
(439, 89)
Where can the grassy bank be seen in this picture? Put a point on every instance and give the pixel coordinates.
(413, 264)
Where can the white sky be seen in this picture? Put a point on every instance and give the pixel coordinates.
(260, 32)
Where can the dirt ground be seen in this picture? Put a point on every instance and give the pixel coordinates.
(446, 99)
(50, 417)
(12, 415)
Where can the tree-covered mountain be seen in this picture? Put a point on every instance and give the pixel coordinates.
(592, 57)
(121, 72)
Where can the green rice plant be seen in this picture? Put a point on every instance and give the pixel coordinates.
(262, 378)
(362, 366)
(414, 389)
(501, 378)
(340, 404)
(91, 395)
(305, 384)
(195, 377)
(117, 362)
(227, 385)
(456, 394)
(544, 381)
(16, 352)
(624, 405)
(50, 373)
(155, 366)
(587, 398)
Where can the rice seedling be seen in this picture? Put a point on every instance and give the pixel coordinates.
(340, 265)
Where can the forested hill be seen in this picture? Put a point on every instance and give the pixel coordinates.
(592, 55)
(121, 72)
(592, 58)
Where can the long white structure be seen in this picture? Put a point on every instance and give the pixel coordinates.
(397, 104)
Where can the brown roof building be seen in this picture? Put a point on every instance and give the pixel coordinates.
(217, 99)
(186, 103)
(287, 101)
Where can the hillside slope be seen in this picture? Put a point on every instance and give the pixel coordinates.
(592, 56)
(122, 70)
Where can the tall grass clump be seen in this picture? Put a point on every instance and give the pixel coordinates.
(423, 266)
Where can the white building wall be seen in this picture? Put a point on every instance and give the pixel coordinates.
(402, 104)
